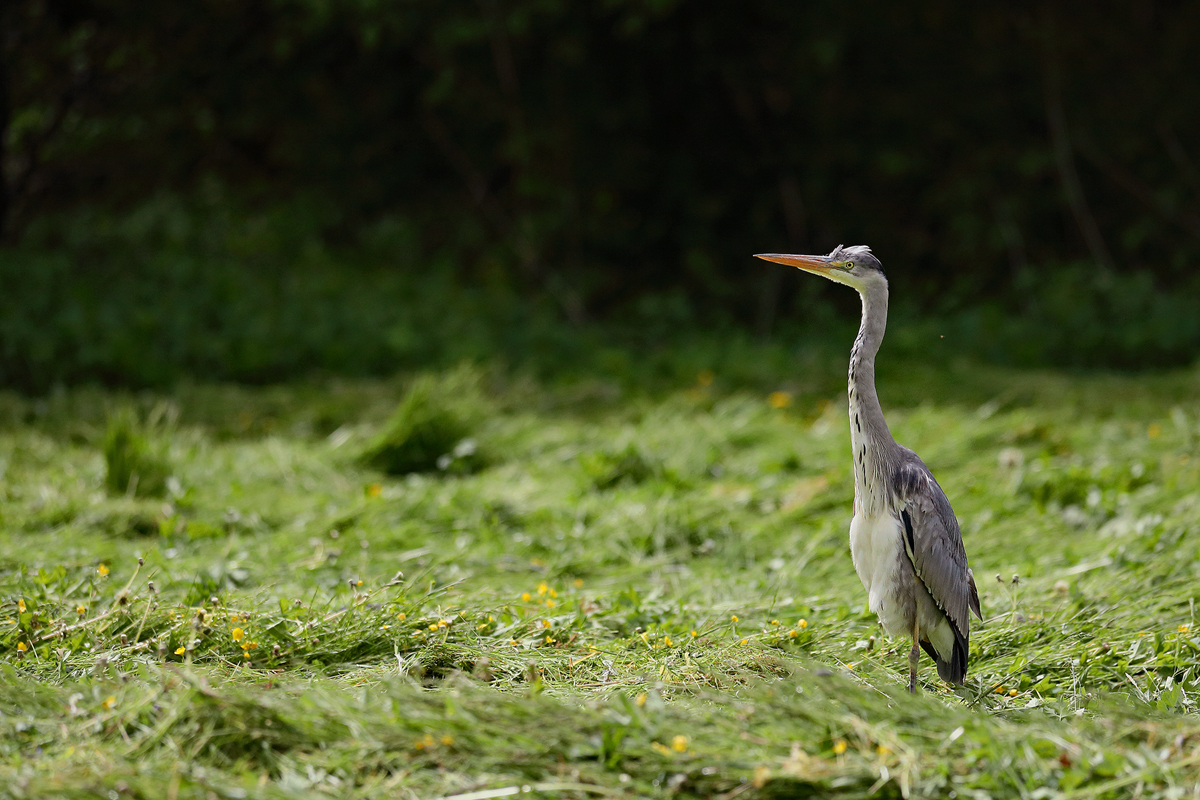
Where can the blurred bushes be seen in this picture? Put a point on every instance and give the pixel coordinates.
(418, 182)
(177, 289)
(210, 291)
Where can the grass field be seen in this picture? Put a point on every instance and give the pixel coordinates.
(222, 592)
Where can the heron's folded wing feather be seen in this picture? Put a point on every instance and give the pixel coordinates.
(933, 542)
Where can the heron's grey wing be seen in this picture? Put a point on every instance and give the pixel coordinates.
(933, 542)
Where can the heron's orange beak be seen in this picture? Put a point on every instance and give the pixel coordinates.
(818, 265)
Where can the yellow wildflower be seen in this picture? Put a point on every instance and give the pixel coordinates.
(734, 617)
(883, 750)
(667, 641)
(744, 641)
(447, 740)
(21, 647)
(109, 702)
(547, 623)
(802, 623)
(375, 490)
(1184, 628)
(21, 605)
(693, 633)
(640, 700)
(526, 597)
(839, 746)
(679, 743)
(779, 399)
(81, 609)
(543, 587)
(579, 583)
(180, 650)
(792, 634)
(103, 570)
(237, 634)
(402, 616)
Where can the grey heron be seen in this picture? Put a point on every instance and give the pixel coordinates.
(904, 538)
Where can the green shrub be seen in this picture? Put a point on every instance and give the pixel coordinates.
(433, 429)
(134, 465)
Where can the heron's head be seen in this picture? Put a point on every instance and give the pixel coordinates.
(853, 266)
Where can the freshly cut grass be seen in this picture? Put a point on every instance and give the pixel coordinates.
(433, 428)
(133, 464)
(651, 595)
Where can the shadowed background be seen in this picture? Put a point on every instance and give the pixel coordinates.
(259, 190)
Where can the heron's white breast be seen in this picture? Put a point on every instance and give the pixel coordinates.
(877, 547)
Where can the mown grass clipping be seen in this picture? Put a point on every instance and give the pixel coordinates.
(650, 595)
(433, 429)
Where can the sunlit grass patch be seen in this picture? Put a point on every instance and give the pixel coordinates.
(654, 587)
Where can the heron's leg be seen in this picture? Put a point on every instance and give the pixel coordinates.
(914, 656)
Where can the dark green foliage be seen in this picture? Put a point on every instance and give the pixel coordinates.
(432, 429)
(134, 465)
(371, 187)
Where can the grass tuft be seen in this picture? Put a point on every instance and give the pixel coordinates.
(433, 429)
(631, 466)
(135, 465)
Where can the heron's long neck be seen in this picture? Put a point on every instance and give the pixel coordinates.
(869, 435)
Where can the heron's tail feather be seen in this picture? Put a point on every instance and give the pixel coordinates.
(954, 668)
